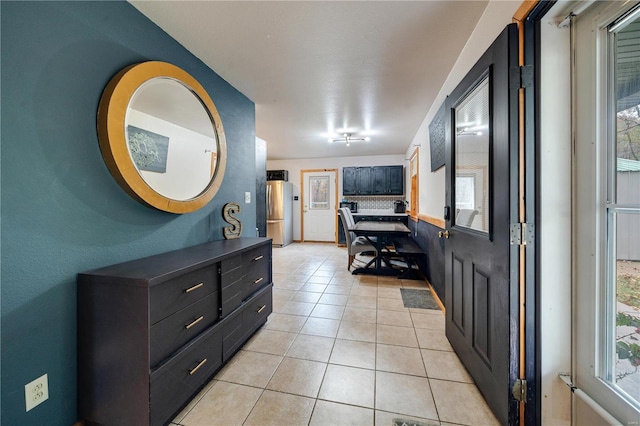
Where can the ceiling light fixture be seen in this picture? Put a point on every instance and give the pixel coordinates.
(347, 138)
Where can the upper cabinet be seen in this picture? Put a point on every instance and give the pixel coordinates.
(388, 180)
(378, 180)
(350, 181)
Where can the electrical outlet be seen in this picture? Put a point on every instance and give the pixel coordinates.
(36, 392)
(247, 197)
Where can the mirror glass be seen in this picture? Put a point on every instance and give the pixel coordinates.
(171, 138)
(161, 137)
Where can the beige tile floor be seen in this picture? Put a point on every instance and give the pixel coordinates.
(340, 349)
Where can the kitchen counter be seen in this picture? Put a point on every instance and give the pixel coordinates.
(378, 212)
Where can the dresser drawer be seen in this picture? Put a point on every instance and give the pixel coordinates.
(232, 296)
(257, 310)
(256, 256)
(178, 380)
(232, 335)
(257, 269)
(254, 280)
(173, 295)
(172, 332)
(231, 263)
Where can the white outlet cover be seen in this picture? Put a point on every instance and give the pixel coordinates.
(247, 197)
(36, 392)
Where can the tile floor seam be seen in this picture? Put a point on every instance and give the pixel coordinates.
(253, 407)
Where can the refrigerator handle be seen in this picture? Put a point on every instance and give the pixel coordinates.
(269, 203)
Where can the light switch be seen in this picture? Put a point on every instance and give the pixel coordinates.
(247, 197)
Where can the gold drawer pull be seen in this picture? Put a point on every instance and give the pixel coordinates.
(195, 287)
(257, 258)
(200, 364)
(262, 308)
(194, 322)
(258, 280)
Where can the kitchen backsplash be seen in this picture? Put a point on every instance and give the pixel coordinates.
(370, 203)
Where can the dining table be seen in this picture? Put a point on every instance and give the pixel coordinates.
(384, 233)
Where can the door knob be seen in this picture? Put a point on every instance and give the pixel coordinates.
(444, 234)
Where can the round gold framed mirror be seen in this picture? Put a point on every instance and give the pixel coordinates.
(161, 137)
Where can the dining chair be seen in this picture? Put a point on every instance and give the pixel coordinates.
(355, 244)
(349, 215)
(464, 217)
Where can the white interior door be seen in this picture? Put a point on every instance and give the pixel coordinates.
(319, 205)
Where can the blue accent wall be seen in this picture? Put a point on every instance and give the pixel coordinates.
(432, 264)
(61, 211)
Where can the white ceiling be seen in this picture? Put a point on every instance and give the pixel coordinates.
(318, 68)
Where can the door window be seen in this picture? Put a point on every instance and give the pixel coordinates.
(319, 192)
(472, 159)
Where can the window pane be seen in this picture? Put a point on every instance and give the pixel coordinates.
(622, 287)
(472, 159)
(319, 190)
(625, 371)
(627, 154)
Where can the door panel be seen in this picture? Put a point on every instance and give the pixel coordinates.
(319, 209)
(457, 296)
(481, 144)
(481, 321)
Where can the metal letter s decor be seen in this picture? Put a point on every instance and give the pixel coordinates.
(234, 231)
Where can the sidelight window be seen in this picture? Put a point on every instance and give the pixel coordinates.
(621, 284)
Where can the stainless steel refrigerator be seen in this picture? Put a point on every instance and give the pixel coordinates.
(279, 212)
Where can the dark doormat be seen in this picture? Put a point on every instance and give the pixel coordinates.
(421, 299)
(407, 422)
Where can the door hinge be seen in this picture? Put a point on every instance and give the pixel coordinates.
(521, 77)
(519, 390)
(521, 234)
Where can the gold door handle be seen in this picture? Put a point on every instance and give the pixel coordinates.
(262, 308)
(200, 364)
(258, 280)
(444, 234)
(258, 258)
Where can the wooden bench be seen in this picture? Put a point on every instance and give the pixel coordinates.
(410, 251)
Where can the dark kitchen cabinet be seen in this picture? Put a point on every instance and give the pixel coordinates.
(350, 181)
(377, 180)
(357, 180)
(365, 175)
(396, 180)
(388, 180)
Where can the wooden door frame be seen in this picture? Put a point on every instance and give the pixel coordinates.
(529, 17)
(414, 207)
(302, 195)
